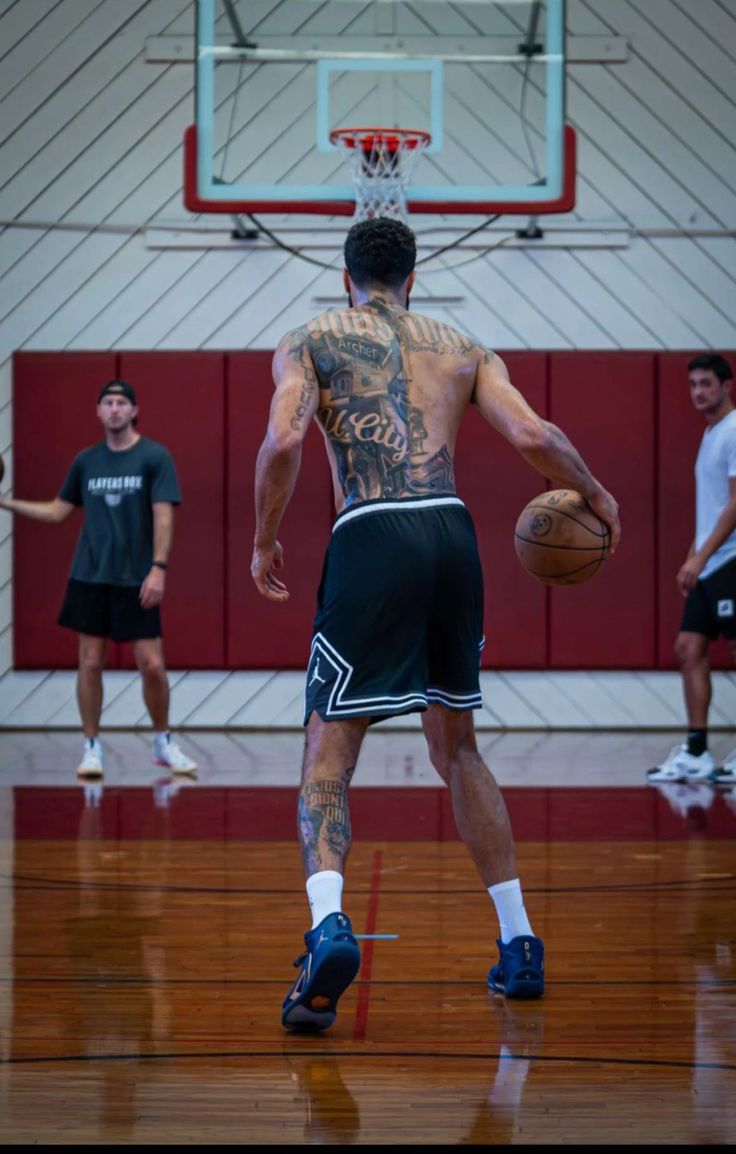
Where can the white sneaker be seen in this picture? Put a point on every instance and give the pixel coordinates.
(91, 763)
(168, 753)
(726, 775)
(679, 765)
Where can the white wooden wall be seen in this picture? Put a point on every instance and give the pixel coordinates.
(90, 153)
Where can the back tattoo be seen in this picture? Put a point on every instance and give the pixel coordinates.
(377, 434)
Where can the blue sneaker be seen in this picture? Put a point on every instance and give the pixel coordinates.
(329, 965)
(520, 971)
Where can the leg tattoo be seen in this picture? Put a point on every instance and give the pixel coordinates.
(324, 824)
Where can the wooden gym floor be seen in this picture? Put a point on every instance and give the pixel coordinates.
(148, 928)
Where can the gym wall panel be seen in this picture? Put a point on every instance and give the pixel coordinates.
(680, 429)
(496, 483)
(604, 402)
(55, 397)
(630, 414)
(182, 405)
(263, 634)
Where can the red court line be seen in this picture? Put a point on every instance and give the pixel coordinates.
(364, 989)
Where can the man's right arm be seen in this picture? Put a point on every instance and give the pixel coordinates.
(543, 445)
(52, 512)
(293, 406)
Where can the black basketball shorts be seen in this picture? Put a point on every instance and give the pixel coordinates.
(399, 621)
(710, 608)
(112, 611)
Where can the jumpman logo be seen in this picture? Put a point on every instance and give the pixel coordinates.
(316, 676)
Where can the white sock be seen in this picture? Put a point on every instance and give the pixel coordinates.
(161, 737)
(324, 890)
(509, 903)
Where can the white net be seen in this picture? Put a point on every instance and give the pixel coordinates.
(381, 162)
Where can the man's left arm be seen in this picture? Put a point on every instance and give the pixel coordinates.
(152, 589)
(293, 406)
(722, 530)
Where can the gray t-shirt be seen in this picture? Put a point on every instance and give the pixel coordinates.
(714, 468)
(117, 490)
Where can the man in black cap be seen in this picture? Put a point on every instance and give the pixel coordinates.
(127, 486)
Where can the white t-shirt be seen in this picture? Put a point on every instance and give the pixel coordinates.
(716, 462)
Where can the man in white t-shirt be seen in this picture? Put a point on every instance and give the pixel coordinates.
(707, 580)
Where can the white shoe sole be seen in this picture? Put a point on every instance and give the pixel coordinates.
(174, 768)
(657, 775)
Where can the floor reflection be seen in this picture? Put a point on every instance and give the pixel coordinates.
(261, 813)
(150, 930)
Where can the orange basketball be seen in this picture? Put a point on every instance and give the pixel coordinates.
(559, 539)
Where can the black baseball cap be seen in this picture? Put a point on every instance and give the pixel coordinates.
(118, 388)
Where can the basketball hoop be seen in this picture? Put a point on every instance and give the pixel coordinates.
(381, 161)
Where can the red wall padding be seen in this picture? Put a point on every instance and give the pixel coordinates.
(264, 634)
(54, 401)
(496, 483)
(605, 404)
(629, 414)
(681, 430)
(181, 402)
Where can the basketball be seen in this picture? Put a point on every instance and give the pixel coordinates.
(559, 539)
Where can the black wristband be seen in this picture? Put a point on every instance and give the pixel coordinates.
(159, 564)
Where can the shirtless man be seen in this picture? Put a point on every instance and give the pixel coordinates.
(399, 622)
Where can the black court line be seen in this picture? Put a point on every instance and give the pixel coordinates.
(708, 885)
(106, 983)
(340, 1055)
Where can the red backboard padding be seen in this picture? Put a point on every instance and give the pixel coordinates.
(604, 402)
(681, 430)
(264, 634)
(496, 483)
(181, 401)
(54, 402)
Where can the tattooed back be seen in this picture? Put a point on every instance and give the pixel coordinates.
(393, 387)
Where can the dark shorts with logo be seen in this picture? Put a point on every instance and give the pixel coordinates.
(710, 608)
(112, 611)
(399, 621)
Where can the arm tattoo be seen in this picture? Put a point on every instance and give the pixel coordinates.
(324, 824)
(310, 383)
(298, 350)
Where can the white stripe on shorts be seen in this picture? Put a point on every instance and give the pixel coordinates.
(392, 506)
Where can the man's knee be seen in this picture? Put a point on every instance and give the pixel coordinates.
(92, 656)
(331, 748)
(691, 649)
(450, 739)
(150, 660)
